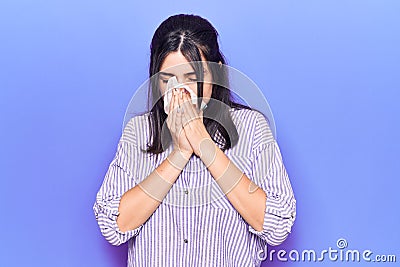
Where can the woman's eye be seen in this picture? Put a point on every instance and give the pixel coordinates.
(192, 80)
(164, 81)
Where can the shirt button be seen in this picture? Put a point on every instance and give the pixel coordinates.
(185, 240)
(186, 191)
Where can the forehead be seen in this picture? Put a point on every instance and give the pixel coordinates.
(176, 63)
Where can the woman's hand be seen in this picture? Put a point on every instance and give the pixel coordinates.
(175, 126)
(193, 125)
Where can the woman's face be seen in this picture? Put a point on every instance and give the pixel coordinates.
(175, 64)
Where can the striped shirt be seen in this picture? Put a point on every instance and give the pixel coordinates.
(195, 224)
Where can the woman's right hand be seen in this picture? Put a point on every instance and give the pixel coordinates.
(174, 123)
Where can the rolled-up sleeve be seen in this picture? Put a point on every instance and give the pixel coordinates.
(269, 173)
(118, 179)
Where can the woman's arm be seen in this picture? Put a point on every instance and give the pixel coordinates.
(269, 172)
(270, 210)
(241, 192)
(247, 198)
(266, 201)
(146, 196)
(122, 206)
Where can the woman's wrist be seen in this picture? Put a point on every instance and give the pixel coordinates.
(179, 158)
(207, 151)
(186, 154)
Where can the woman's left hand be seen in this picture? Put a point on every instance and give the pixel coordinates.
(192, 121)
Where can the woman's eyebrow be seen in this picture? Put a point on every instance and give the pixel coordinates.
(190, 73)
(167, 74)
(194, 73)
(171, 74)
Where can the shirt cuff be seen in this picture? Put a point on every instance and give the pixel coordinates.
(279, 217)
(106, 215)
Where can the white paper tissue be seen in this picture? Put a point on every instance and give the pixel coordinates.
(173, 83)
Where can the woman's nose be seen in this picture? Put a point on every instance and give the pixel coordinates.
(180, 80)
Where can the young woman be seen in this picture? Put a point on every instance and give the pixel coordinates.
(193, 186)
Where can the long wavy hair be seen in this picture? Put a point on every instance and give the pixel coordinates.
(193, 36)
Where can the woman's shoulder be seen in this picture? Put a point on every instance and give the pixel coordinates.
(253, 122)
(136, 127)
(247, 116)
(138, 119)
